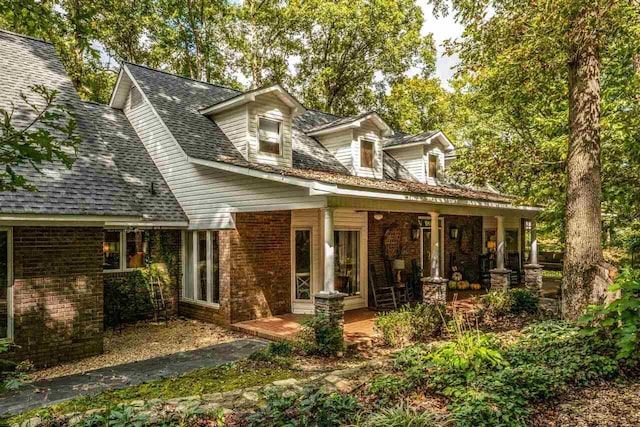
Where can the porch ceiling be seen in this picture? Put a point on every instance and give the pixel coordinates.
(443, 206)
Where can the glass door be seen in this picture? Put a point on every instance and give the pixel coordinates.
(347, 262)
(302, 288)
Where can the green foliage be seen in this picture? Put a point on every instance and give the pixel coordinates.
(311, 408)
(494, 383)
(403, 416)
(278, 353)
(12, 375)
(620, 319)
(421, 323)
(512, 301)
(115, 416)
(47, 136)
(127, 300)
(322, 337)
(387, 388)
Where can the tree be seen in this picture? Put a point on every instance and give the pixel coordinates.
(353, 49)
(48, 136)
(538, 61)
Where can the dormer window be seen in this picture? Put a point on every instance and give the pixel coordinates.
(366, 154)
(433, 164)
(269, 136)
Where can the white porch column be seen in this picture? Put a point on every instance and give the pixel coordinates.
(500, 243)
(534, 243)
(435, 245)
(329, 251)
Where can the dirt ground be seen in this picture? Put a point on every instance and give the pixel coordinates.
(607, 405)
(145, 340)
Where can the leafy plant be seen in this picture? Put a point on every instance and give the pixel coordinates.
(620, 319)
(311, 408)
(12, 375)
(387, 388)
(395, 327)
(403, 416)
(115, 416)
(512, 301)
(428, 321)
(322, 336)
(523, 301)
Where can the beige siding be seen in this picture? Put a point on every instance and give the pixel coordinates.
(234, 124)
(340, 144)
(412, 159)
(209, 195)
(271, 107)
(369, 131)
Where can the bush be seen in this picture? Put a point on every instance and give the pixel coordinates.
(403, 416)
(513, 301)
(388, 388)
(320, 336)
(620, 319)
(419, 323)
(278, 353)
(523, 301)
(312, 408)
(126, 300)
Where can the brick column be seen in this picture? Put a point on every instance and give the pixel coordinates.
(434, 290)
(499, 279)
(533, 278)
(330, 306)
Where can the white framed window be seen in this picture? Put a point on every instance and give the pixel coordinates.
(201, 266)
(433, 165)
(366, 153)
(6, 283)
(124, 250)
(303, 264)
(269, 136)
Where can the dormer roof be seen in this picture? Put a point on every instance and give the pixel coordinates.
(244, 98)
(351, 122)
(403, 140)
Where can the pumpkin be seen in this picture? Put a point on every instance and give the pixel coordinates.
(476, 286)
(457, 276)
(453, 284)
(463, 285)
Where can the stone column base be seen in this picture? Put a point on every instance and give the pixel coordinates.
(331, 306)
(434, 290)
(499, 279)
(533, 278)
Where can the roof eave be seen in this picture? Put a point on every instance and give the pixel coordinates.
(385, 128)
(296, 107)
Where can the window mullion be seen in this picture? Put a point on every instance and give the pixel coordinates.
(194, 264)
(209, 268)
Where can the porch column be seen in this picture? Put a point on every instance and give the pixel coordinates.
(329, 304)
(434, 287)
(533, 270)
(329, 252)
(499, 275)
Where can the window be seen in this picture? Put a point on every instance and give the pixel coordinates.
(5, 283)
(124, 250)
(201, 267)
(269, 135)
(137, 248)
(303, 264)
(434, 161)
(366, 154)
(111, 250)
(347, 262)
(136, 97)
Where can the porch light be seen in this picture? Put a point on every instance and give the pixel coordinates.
(453, 233)
(415, 233)
(378, 216)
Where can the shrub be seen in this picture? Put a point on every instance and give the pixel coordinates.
(278, 353)
(403, 416)
(126, 300)
(387, 388)
(12, 375)
(620, 319)
(419, 323)
(311, 408)
(513, 301)
(395, 327)
(523, 301)
(320, 336)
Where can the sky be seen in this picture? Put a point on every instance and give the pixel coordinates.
(442, 29)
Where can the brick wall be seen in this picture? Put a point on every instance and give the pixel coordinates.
(172, 239)
(58, 293)
(398, 243)
(260, 265)
(466, 250)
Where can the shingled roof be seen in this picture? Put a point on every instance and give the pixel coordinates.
(96, 184)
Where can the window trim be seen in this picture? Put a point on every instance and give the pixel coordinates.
(428, 165)
(194, 265)
(293, 263)
(280, 136)
(373, 153)
(10, 324)
(123, 250)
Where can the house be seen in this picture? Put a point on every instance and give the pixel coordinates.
(263, 206)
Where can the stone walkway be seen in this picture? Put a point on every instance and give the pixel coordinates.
(48, 392)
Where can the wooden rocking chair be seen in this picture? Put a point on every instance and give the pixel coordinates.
(384, 296)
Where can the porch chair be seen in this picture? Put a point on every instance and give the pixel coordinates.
(384, 296)
(513, 263)
(402, 294)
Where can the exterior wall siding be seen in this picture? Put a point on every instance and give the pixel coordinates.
(58, 294)
(234, 124)
(340, 144)
(412, 159)
(208, 195)
(371, 132)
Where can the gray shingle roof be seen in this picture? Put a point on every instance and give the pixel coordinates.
(404, 138)
(93, 186)
(135, 165)
(338, 121)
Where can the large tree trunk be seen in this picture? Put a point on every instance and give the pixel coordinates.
(586, 276)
